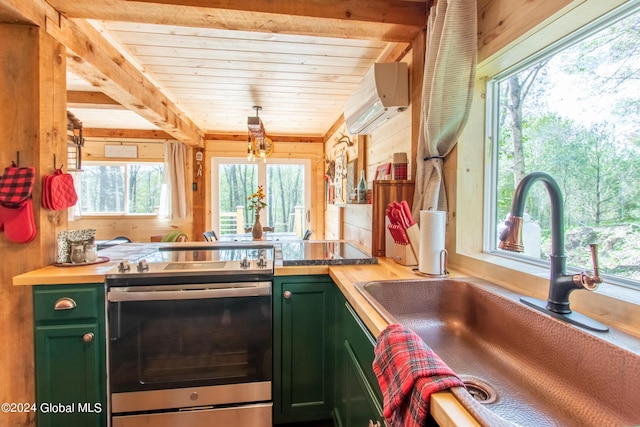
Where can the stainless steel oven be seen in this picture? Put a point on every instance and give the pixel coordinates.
(190, 338)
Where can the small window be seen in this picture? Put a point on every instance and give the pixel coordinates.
(111, 188)
(574, 112)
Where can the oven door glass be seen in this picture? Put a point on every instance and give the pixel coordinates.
(187, 338)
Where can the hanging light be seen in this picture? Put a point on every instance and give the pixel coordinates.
(258, 145)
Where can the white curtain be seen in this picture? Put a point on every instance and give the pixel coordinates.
(174, 181)
(447, 91)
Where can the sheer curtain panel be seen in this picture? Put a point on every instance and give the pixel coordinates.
(447, 91)
(175, 159)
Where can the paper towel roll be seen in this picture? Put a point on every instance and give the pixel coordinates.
(432, 236)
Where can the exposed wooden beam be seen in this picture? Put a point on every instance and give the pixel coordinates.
(387, 20)
(125, 134)
(95, 60)
(276, 138)
(95, 100)
(26, 12)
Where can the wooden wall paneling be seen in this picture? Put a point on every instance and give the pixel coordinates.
(199, 182)
(151, 151)
(501, 22)
(334, 222)
(357, 224)
(32, 88)
(138, 229)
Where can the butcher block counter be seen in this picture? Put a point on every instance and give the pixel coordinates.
(444, 406)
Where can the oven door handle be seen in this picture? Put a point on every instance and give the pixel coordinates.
(115, 295)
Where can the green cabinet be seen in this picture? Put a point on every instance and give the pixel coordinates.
(358, 397)
(303, 348)
(70, 355)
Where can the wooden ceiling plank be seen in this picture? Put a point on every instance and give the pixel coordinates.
(278, 75)
(218, 61)
(350, 19)
(171, 40)
(95, 60)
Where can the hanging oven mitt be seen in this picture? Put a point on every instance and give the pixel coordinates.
(16, 206)
(58, 191)
(19, 224)
(16, 186)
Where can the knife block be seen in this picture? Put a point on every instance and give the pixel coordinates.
(403, 254)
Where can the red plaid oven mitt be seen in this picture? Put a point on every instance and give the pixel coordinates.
(16, 186)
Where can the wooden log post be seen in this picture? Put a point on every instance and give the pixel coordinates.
(33, 122)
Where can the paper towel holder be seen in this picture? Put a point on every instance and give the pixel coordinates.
(444, 259)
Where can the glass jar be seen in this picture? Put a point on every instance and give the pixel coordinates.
(76, 254)
(90, 252)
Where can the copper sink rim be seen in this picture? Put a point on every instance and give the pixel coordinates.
(483, 413)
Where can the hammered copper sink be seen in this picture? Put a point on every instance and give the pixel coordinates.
(540, 371)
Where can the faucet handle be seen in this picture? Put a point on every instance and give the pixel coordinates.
(591, 281)
(594, 258)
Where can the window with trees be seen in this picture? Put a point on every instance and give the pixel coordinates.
(285, 183)
(574, 112)
(119, 188)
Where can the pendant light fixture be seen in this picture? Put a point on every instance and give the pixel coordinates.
(259, 145)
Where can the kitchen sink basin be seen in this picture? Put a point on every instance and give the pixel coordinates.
(520, 365)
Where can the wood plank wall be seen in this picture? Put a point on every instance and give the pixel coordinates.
(371, 151)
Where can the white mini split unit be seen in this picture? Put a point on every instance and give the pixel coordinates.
(382, 93)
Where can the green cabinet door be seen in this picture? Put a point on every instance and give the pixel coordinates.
(70, 356)
(358, 397)
(69, 385)
(303, 348)
(363, 407)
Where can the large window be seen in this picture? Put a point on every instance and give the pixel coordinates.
(120, 188)
(285, 183)
(574, 112)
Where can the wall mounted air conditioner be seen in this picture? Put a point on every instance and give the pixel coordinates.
(382, 93)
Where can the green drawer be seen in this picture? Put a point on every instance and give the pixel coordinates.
(61, 303)
(362, 345)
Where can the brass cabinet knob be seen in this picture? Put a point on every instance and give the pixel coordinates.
(287, 294)
(88, 337)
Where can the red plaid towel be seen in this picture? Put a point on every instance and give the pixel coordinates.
(409, 372)
(16, 185)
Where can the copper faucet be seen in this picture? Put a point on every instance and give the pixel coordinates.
(561, 284)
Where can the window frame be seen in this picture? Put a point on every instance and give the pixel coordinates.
(262, 178)
(492, 131)
(126, 163)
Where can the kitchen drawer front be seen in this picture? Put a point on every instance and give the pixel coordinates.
(73, 302)
(362, 345)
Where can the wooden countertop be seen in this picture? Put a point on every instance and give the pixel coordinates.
(444, 406)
